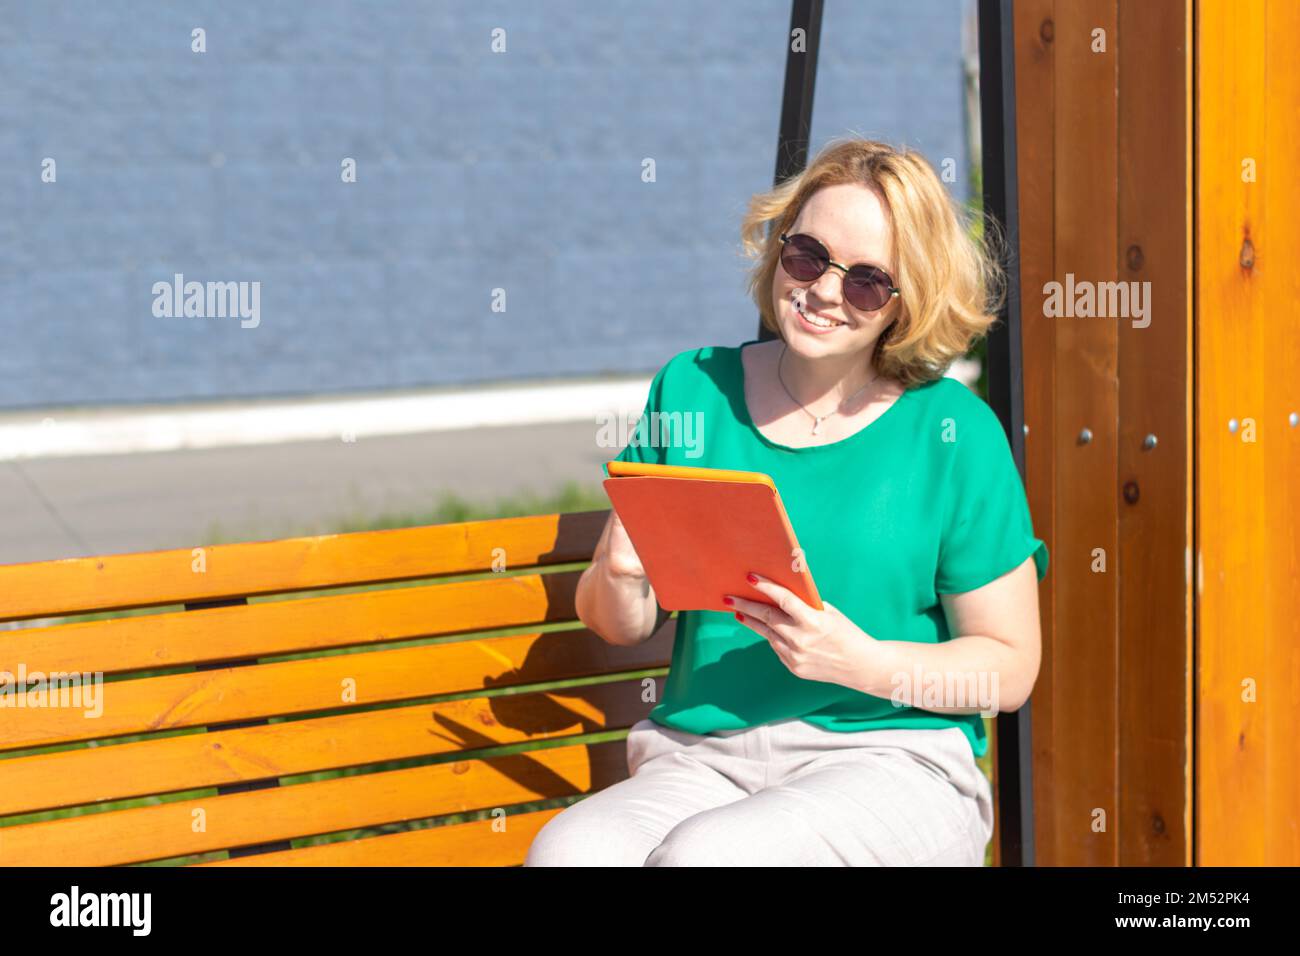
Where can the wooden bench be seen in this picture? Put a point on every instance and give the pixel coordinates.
(212, 710)
(245, 720)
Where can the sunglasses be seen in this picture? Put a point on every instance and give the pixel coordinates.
(865, 287)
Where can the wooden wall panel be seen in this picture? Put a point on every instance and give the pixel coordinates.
(1154, 493)
(1131, 168)
(1104, 166)
(1085, 656)
(1034, 39)
(1248, 495)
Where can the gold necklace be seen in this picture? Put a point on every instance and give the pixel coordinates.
(817, 419)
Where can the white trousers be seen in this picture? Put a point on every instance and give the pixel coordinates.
(786, 793)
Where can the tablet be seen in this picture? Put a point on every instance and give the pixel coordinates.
(698, 531)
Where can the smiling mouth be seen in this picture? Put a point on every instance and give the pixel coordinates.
(812, 317)
(820, 321)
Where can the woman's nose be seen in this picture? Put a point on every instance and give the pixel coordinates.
(828, 288)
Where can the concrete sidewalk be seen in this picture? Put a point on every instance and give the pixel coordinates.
(102, 504)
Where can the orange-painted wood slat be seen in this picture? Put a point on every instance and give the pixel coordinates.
(157, 641)
(1248, 371)
(292, 687)
(478, 843)
(1231, 75)
(269, 751)
(75, 585)
(200, 825)
(1279, 501)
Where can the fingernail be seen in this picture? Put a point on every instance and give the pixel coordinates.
(739, 616)
(751, 579)
(727, 600)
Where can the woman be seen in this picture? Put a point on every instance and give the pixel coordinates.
(846, 735)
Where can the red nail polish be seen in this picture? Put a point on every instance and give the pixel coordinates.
(751, 579)
(728, 601)
(739, 616)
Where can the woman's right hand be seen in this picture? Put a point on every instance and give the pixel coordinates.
(614, 596)
(621, 558)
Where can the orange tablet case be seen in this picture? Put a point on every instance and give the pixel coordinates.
(698, 531)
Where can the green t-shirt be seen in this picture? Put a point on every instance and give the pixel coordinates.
(925, 499)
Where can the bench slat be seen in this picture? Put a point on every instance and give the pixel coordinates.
(260, 816)
(157, 641)
(232, 694)
(148, 579)
(174, 764)
(461, 844)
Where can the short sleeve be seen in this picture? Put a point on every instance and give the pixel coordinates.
(987, 530)
(640, 446)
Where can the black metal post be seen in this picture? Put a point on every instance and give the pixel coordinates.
(797, 101)
(1005, 379)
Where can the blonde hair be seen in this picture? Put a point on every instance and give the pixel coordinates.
(951, 283)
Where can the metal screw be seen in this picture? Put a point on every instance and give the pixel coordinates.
(1085, 436)
(1149, 442)
(1232, 425)
(1293, 418)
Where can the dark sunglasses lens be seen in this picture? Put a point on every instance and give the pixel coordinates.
(803, 258)
(866, 289)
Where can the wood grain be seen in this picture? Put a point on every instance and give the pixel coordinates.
(185, 827)
(270, 751)
(158, 641)
(1155, 398)
(1248, 370)
(152, 578)
(1085, 678)
(1035, 142)
(204, 698)
(478, 843)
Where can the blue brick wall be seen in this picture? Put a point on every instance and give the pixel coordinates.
(476, 171)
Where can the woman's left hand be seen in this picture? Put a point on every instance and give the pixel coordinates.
(815, 645)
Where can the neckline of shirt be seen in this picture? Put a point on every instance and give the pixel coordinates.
(828, 446)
